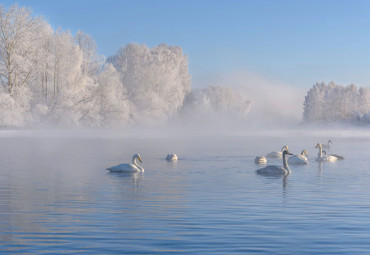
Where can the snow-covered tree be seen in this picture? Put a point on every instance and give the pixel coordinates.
(336, 103)
(53, 77)
(19, 36)
(111, 98)
(157, 80)
(91, 60)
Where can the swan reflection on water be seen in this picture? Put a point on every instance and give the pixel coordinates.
(133, 178)
(126, 174)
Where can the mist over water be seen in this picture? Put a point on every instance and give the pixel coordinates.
(272, 100)
(57, 196)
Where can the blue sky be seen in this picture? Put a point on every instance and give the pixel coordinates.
(293, 42)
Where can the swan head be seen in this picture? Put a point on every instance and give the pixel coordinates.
(318, 145)
(284, 148)
(304, 152)
(138, 157)
(286, 152)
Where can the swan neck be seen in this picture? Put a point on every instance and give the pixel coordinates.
(136, 164)
(320, 150)
(285, 163)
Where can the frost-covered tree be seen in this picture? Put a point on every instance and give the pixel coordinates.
(66, 83)
(364, 101)
(19, 36)
(63, 93)
(91, 60)
(111, 98)
(53, 77)
(336, 103)
(157, 80)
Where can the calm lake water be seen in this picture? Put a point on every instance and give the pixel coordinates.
(56, 196)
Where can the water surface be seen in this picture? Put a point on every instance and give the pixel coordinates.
(57, 197)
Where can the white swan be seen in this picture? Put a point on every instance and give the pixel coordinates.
(330, 157)
(326, 146)
(277, 154)
(277, 170)
(299, 159)
(171, 157)
(134, 167)
(260, 160)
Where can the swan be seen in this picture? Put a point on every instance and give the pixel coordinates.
(277, 170)
(330, 157)
(277, 154)
(327, 146)
(260, 160)
(299, 159)
(171, 157)
(128, 167)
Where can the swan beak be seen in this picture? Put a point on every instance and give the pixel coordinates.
(288, 153)
(140, 160)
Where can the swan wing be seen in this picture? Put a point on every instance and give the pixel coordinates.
(123, 167)
(337, 156)
(298, 159)
(327, 158)
(271, 170)
(260, 160)
(275, 154)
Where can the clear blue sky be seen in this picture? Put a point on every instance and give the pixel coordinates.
(294, 42)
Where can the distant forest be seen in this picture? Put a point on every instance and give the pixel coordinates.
(336, 103)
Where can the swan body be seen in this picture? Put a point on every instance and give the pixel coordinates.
(128, 167)
(171, 157)
(326, 146)
(299, 159)
(277, 154)
(337, 156)
(273, 170)
(260, 160)
(330, 157)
